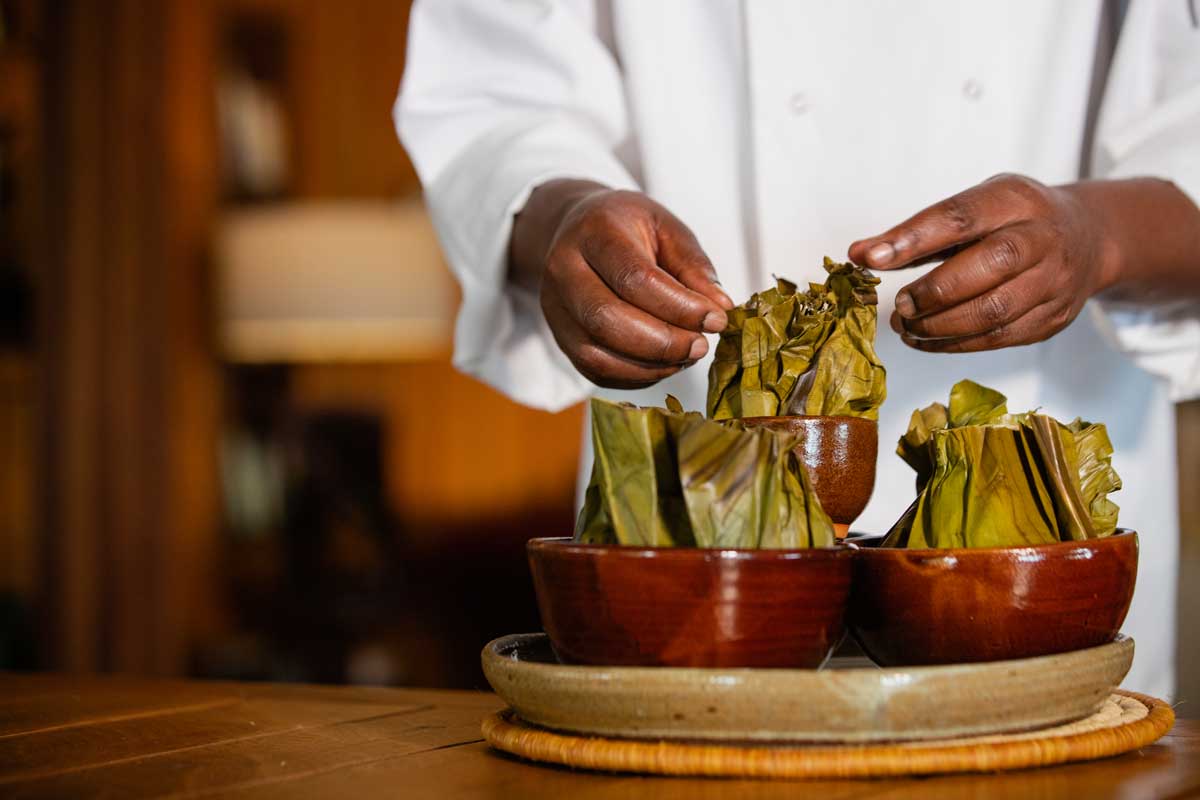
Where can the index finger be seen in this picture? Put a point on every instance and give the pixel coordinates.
(681, 255)
(996, 259)
(939, 230)
(630, 271)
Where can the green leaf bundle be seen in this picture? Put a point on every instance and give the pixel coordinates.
(790, 352)
(664, 478)
(988, 478)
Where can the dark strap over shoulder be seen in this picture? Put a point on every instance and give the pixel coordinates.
(1112, 15)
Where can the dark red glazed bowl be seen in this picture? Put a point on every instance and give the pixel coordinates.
(839, 454)
(690, 607)
(959, 605)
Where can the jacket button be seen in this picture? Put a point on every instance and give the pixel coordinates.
(972, 89)
(798, 103)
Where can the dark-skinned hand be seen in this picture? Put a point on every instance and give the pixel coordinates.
(1020, 259)
(625, 287)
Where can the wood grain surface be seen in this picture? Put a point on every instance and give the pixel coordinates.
(63, 736)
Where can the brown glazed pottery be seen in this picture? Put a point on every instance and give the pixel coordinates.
(961, 605)
(838, 703)
(690, 607)
(839, 454)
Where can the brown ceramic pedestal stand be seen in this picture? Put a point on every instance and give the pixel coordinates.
(839, 455)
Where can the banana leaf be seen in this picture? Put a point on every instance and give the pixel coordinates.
(787, 351)
(988, 478)
(668, 478)
(970, 404)
(1097, 477)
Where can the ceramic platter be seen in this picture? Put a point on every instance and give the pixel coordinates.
(838, 703)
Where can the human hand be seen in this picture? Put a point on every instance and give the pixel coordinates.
(625, 287)
(1020, 260)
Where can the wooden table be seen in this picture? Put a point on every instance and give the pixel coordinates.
(124, 737)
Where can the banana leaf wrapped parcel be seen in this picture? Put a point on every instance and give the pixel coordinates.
(988, 478)
(664, 478)
(786, 351)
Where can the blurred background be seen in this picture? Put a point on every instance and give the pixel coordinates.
(231, 441)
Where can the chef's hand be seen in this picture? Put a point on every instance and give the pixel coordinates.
(1020, 258)
(624, 285)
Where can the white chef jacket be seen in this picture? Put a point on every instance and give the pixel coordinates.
(782, 131)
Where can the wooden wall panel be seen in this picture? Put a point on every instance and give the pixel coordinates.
(345, 84)
(190, 567)
(128, 435)
(1187, 662)
(71, 334)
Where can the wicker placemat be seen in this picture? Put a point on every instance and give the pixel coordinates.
(1126, 722)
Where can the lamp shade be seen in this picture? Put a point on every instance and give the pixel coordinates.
(332, 281)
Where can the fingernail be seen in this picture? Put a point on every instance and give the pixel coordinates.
(699, 348)
(714, 321)
(881, 254)
(904, 304)
(726, 303)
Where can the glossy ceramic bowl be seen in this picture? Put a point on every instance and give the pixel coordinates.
(965, 605)
(690, 607)
(839, 454)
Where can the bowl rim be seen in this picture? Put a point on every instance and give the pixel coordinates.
(494, 653)
(566, 544)
(1120, 534)
(837, 417)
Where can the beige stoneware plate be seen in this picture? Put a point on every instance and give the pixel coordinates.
(834, 704)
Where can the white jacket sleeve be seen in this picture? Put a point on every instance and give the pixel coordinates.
(1149, 125)
(498, 97)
